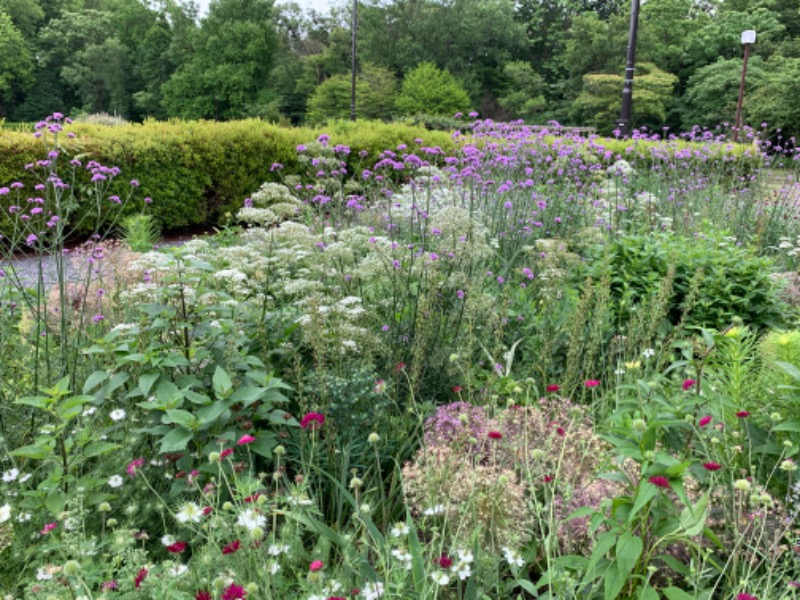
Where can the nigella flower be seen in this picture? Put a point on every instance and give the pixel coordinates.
(660, 481)
(312, 421)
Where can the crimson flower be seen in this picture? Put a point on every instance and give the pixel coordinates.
(176, 548)
(744, 596)
(233, 592)
(743, 414)
(232, 547)
(547, 478)
(457, 389)
(552, 388)
(444, 561)
(591, 383)
(704, 421)
(561, 431)
(660, 481)
(312, 421)
(315, 566)
(208, 510)
(245, 439)
(225, 453)
(495, 435)
(688, 384)
(336, 598)
(202, 595)
(139, 578)
(712, 466)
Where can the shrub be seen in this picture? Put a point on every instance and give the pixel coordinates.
(427, 89)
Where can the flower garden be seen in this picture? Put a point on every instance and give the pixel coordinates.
(537, 366)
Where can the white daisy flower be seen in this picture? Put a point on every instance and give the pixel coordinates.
(117, 415)
(168, 540)
(189, 512)
(115, 481)
(178, 570)
(11, 475)
(372, 590)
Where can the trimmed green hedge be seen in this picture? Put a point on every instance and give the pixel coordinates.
(194, 171)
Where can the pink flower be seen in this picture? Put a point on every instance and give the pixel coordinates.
(712, 466)
(133, 466)
(48, 528)
(744, 596)
(225, 453)
(591, 383)
(110, 585)
(495, 435)
(233, 592)
(660, 481)
(245, 439)
(312, 421)
(688, 384)
(552, 388)
(315, 566)
(704, 421)
(743, 414)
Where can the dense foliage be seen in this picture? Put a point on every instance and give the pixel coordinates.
(258, 58)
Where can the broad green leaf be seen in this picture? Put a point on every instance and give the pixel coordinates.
(627, 552)
(146, 382)
(676, 470)
(223, 386)
(789, 369)
(527, 586)
(605, 542)
(38, 451)
(36, 401)
(793, 426)
(648, 593)
(175, 440)
(264, 444)
(98, 448)
(117, 381)
(180, 417)
(209, 414)
(646, 492)
(247, 395)
(673, 593)
(94, 380)
(168, 394)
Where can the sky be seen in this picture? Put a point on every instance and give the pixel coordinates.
(318, 5)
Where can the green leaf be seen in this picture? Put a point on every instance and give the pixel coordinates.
(98, 448)
(264, 444)
(36, 401)
(38, 451)
(627, 552)
(693, 519)
(793, 426)
(180, 417)
(222, 383)
(676, 470)
(605, 541)
(673, 593)
(209, 414)
(648, 593)
(94, 380)
(528, 587)
(789, 369)
(247, 395)
(146, 382)
(169, 394)
(646, 492)
(175, 440)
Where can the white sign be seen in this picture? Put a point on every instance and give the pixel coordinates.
(749, 36)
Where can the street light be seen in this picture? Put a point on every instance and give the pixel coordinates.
(354, 28)
(624, 122)
(748, 37)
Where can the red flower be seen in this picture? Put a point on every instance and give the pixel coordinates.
(139, 578)
(233, 592)
(495, 435)
(208, 510)
(712, 466)
(232, 547)
(312, 421)
(177, 547)
(561, 431)
(48, 528)
(591, 383)
(704, 421)
(399, 366)
(336, 598)
(660, 481)
(688, 384)
(252, 498)
(547, 478)
(245, 439)
(742, 414)
(744, 596)
(202, 595)
(315, 566)
(552, 388)
(225, 453)
(457, 389)
(444, 561)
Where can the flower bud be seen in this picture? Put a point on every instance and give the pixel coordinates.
(356, 483)
(214, 457)
(741, 484)
(104, 507)
(639, 425)
(227, 506)
(72, 567)
(374, 438)
(279, 450)
(112, 522)
(257, 533)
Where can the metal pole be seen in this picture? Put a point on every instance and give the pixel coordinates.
(624, 122)
(738, 123)
(354, 27)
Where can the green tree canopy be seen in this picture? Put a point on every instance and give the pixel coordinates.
(524, 98)
(376, 88)
(430, 90)
(16, 63)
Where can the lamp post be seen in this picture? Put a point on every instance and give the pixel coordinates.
(354, 27)
(748, 37)
(624, 122)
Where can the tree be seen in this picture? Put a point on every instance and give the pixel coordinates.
(599, 101)
(376, 88)
(775, 101)
(26, 15)
(228, 74)
(16, 63)
(712, 92)
(430, 90)
(524, 99)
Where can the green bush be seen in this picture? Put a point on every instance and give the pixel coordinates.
(429, 89)
(715, 280)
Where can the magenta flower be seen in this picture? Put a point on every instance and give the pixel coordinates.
(712, 466)
(495, 435)
(552, 388)
(704, 421)
(176, 548)
(234, 592)
(591, 383)
(137, 582)
(232, 547)
(744, 596)
(742, 414)
(245, 439)
(315, 566)
(659, 481)
(48, 528)
(133, 466)
(688, 384)
(312, 421)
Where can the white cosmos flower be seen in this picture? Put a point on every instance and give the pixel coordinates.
(250, 519)
(189, 512)
(117, 415)
(11, 475)
(115, 481)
